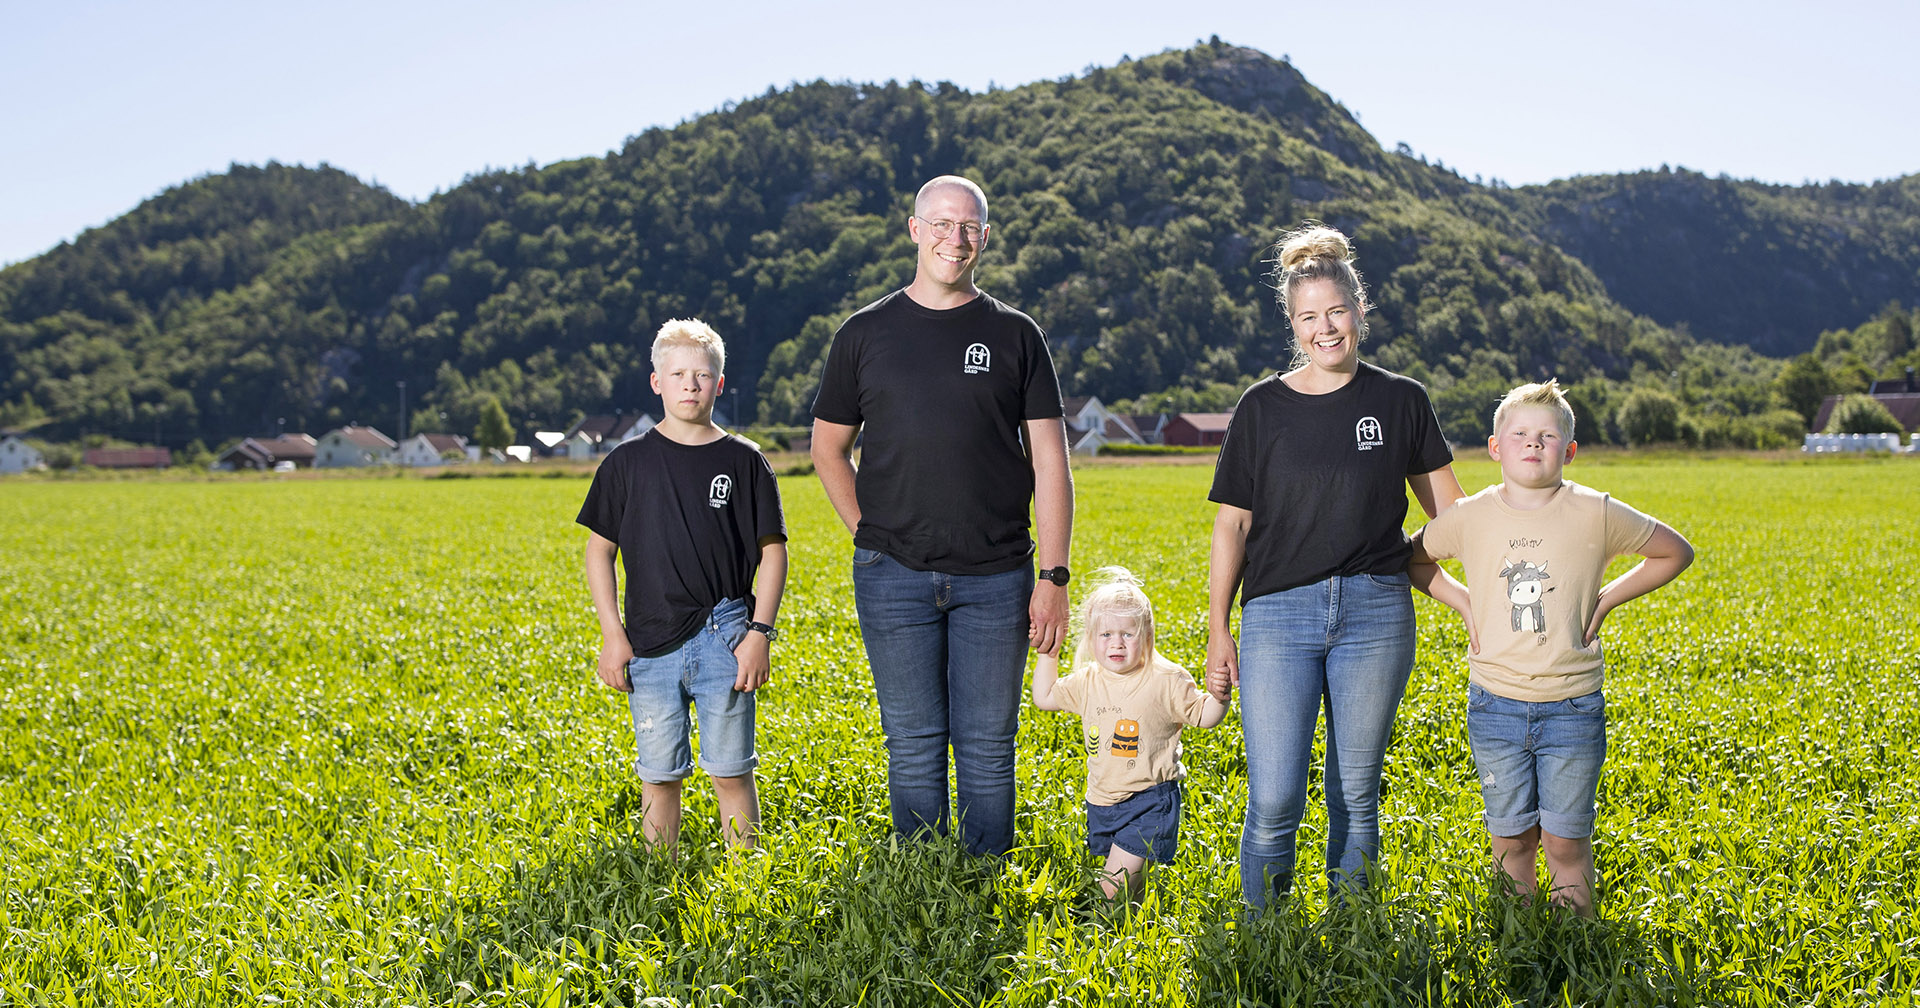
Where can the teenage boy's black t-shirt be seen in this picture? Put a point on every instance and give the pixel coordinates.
(688, 520)
(1326, 477)
(944, 481)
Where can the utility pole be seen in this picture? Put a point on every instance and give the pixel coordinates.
(403, 410)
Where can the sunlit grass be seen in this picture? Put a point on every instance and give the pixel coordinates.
(339, 742)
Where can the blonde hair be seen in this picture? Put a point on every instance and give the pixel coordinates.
(1547, 393)
(1116, 594)
(1314, 251)
(692, 334)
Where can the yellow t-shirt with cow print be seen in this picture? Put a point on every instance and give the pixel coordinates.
(1535, 578)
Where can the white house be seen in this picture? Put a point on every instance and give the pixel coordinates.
(604, 433)
(18, 456)
(353, 445)
(431, 449)
(578, 447)
(1091, 426)
(1148, 425)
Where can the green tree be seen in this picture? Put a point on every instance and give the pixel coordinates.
(495, 432)
(1648, 416)
(1803, 383)
(1861, 414)
(195, 455)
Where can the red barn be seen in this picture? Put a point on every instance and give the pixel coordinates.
(1195, 429)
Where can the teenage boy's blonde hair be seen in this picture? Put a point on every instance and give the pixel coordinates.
(1546, 393)
(694, 334)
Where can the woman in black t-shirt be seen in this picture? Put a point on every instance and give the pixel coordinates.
(1312, 485)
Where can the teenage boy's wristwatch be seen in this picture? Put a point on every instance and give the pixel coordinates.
(765, 628)
(1057, 575)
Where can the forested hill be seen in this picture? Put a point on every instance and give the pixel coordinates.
(1133, 207)
(1738, 262)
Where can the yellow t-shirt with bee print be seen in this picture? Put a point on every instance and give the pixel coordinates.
(1130, 725)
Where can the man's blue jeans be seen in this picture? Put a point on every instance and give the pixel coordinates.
(949, 655)
(1345, 643)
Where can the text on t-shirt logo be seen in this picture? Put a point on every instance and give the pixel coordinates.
(719, 490)
(1366, 434)
(977, 360)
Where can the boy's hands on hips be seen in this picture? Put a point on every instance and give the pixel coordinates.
(615, 653)
(754, 653)
(1473, 631)
(1599, 616)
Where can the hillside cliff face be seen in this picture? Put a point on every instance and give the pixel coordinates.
(1133, 207)
(1249, 81)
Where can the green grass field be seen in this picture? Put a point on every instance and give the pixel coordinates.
(339, 742)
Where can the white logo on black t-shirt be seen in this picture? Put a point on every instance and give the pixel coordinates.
(978, 359)
(1366, 434)
(719, 490)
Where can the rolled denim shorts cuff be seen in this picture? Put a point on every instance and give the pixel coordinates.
(1512, 826)
(1570, 827)
(735, 768)
(649, 775)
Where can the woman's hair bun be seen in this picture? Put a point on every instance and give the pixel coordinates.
(1315, 241)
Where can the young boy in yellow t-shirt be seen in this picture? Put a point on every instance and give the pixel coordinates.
(1535, 548)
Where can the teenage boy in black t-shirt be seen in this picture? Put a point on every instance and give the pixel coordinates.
(694, 515)
(954, 398)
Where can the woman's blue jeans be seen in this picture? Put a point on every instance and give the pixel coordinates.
(949, 654)
(1345, 643)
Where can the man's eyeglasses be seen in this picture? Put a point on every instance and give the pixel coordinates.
(942, 228)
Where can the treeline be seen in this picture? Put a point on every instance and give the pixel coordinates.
(1133, 210)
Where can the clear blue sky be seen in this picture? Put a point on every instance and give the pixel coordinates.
(103, 105)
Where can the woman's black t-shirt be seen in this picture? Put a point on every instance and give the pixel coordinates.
(1325, 477)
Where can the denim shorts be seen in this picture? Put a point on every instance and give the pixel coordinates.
(1146, 824)
(700, 672)
(1538, 763)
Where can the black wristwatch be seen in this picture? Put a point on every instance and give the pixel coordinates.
(772, 633)
(1057, 575)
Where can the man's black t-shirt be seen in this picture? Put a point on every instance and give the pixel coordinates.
(944, 481)
(688, 520)
(1325, 477)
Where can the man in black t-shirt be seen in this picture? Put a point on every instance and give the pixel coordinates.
(955, 402)
(693, 514)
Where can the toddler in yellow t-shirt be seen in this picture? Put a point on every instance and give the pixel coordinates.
(1132, 704)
